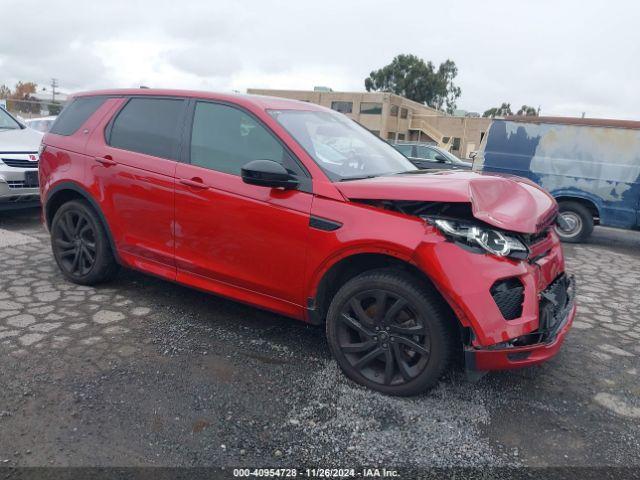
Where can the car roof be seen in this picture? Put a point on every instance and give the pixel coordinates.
(260, 101)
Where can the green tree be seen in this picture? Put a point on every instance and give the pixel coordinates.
(417, 80)
(501, 111)
(446, 73)
(527, 111)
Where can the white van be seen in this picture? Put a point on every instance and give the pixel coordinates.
(18, 163)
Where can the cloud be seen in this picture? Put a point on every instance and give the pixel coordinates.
(567, 57)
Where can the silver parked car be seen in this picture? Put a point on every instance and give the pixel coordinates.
(42, 124)
(18, 163)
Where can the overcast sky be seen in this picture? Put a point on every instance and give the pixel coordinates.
(565, 56)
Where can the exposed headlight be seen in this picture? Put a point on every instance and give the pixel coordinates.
(493, 241)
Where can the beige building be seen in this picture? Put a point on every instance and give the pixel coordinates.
(396, 118)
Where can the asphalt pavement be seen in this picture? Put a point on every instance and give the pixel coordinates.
(145, 372)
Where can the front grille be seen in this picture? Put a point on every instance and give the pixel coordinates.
(509, 296)
(16, 184)
(17, 163)
(554, 300)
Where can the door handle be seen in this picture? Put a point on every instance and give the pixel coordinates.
(107, 160)
(195, 182)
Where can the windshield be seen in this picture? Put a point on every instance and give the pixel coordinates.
(449, 156)
(341, 147)
(7, 122)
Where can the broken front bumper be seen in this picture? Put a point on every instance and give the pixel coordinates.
(557, 311)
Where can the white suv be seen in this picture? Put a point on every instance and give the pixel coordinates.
(18, 163)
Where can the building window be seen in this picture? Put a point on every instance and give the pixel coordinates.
(456, 144)
(401, 136)
(375, 132)
(371, 108)
(481, 136)
(403, 113)
(342, 107)
(394, 110)
(391, 136)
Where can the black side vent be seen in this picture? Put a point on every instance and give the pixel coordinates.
(323, 224)
(509, 296)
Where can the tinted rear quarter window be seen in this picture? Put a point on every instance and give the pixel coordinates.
(75, 114)
(148, 125)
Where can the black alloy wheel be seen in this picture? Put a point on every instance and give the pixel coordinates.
(383, 338)
(390, 333)
(80, 244)
(75, 243)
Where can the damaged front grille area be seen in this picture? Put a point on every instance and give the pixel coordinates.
(553, 301)
(556, 302)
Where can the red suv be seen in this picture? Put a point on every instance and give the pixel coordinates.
(297, 209)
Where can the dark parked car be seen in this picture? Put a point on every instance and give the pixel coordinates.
(429, 157)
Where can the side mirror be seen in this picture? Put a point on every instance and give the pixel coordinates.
(267, 173)
(440, 158)
(473, 155)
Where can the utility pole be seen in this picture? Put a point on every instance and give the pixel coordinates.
(54, 84)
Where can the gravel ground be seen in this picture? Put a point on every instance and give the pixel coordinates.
(145, 372)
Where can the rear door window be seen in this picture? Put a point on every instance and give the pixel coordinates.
(150, 126)
(75, 114)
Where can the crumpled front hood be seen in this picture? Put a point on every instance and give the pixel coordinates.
(507, 202)
(22, 140)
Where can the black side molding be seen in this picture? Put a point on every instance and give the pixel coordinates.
(323, 224)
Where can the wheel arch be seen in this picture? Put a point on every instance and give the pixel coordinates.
(589, 203)
(64, 192)
(348, 266)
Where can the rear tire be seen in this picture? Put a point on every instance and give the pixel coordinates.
(579, 220)
(80, 244)
(389, 333)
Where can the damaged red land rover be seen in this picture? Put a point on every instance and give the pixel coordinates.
(297, 209)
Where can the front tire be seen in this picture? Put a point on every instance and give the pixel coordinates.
(80, 244)
(389, 333)
(578, 221)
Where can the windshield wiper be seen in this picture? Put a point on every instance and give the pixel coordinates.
(413, 172)
(363, 177)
